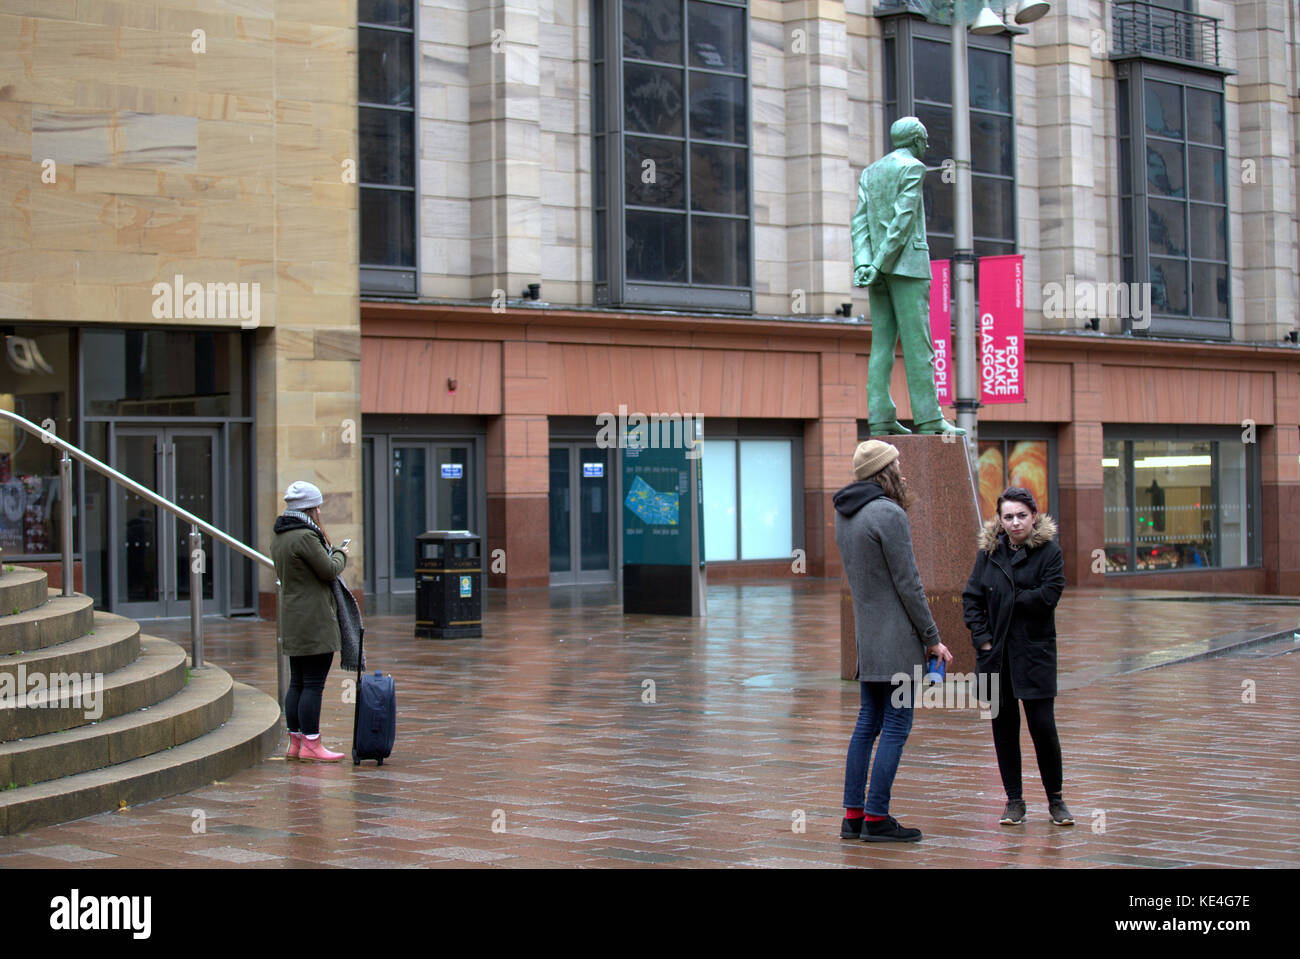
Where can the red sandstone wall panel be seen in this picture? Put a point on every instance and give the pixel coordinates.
(1048, 391)
(732, 380)
(711, 383)
(704, 382)
(1143, 394)
(776, 381)
(668, 397)
(400, 375)
(688, 367)
(809, 374)
(601, 378)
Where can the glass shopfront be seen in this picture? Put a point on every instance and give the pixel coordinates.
(753, 489)
(36, 382)
(1181, 502)
(171, 409)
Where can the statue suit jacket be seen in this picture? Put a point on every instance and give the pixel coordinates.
(891, 235)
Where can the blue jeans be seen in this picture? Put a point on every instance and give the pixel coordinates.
(877, 717)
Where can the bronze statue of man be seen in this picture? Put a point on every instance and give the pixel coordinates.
(891, 258)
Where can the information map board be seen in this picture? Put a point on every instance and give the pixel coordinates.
(663, 518)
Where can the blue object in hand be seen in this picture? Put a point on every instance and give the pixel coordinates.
(936, 670)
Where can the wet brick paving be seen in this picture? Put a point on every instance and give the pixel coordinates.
(573, 736)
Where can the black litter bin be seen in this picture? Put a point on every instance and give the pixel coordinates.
(448, 585)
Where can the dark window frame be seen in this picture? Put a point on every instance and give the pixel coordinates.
(385, 279)
(1132, 76)
(611, 285)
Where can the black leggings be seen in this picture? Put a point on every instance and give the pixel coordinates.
(1041, 716)
(306, 683)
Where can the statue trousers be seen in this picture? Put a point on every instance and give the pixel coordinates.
(900, 308)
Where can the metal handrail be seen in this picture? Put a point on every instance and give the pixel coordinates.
(196, 524)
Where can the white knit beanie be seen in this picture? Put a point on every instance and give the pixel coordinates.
(302, 495)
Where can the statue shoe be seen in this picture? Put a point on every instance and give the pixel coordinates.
(940, 426)
(888, 429)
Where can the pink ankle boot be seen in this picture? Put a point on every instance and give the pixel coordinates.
(295, 746)
(313, 750)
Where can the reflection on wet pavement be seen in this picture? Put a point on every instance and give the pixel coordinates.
(571, 735)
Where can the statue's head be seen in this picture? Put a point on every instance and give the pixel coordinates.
(911, 133)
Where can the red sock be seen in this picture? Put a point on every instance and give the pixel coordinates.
(874, 818)
(852, 813)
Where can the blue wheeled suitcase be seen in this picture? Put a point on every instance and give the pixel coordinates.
(374, 725)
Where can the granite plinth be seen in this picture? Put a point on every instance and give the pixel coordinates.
(945, 524)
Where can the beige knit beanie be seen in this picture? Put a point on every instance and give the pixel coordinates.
(871, 457)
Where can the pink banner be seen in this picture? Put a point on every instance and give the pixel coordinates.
(941, 328)
(1002, 329)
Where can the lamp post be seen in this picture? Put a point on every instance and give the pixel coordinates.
(963, 242)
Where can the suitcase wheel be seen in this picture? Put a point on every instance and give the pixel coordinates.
(381, 762)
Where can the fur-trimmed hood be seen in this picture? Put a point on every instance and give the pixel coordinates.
(1044, 531)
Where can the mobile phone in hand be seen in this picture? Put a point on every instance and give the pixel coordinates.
(345, 544)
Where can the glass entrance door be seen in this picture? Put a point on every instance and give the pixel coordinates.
(582, 521)
(430, 490)
(151, 552)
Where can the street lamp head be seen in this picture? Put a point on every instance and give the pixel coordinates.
(1031, 10)
(987, 23)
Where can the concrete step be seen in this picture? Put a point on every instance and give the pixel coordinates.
(48, 623)
(21, 588)
(113, 643)
(246, 739)
(200, 706)
(158, 673)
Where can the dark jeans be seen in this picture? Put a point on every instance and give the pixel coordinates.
(1041, 717)
(306, 683)
(878, 716)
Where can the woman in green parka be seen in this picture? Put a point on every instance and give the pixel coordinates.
(306, 564)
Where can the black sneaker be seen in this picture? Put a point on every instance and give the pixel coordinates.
(888, 830)
(851, 829)
(1060, 814)
(1014, 814)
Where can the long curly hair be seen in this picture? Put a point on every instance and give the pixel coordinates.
(890, 480)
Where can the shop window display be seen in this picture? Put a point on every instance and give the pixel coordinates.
(1004, 463)
(1178, 504)
(34, 383)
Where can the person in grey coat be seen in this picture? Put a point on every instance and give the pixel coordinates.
(895, 633)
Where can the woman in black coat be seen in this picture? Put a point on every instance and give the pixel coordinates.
(1009, 603)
